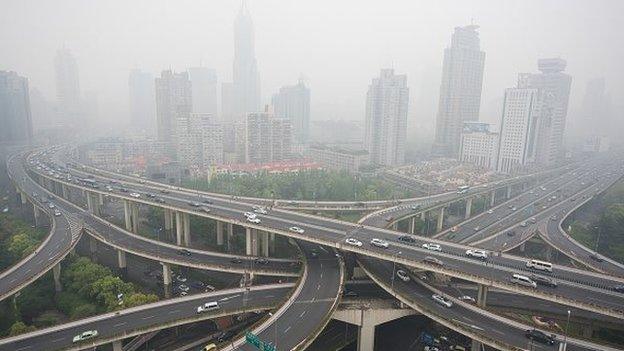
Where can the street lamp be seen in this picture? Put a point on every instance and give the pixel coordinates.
(565, 336)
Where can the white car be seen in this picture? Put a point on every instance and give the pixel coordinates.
(85, 335)
(432, 247)
(260, 210)
(253, 220)
(442, 300)
(296, 230)
(467, 298)
(403, 275)
(208, 306)
(353, 242)
(57, 213)
(379, 243)
(490, 211)
(249, 215)
(136, 195)
(476, 253)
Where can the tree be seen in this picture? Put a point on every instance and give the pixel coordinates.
(137, 299)
(20, 328)
(84, 310)
(106, 290)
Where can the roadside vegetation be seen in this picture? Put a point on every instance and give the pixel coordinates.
(17, 239)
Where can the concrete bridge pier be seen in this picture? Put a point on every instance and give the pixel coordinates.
(219, 233)
(121, 262)
(272, 242)
(166, 278)
(468, 208)
(230, 235)
(117, 345)
(411, 228)
(56, 271)
(509, 189)
(251, 242)
(127, 215)
(493, 198)
(265, 244)
(476, 346)
(23, 198)
(482, 295)
(36, 214)
(179, 228)
(440, 220)
(135, 217)
(187, 229)
(93, 248)
(168, 219)
(65, 191)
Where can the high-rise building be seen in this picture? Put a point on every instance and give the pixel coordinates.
(246, 89)
(173, 103)
(293, 102)
(595, 109)
(460, 89)
(15, 117)
(386, 118)
(479, 145)
(204, 90)
(554, 88)
(268, 139)
(338, 158)
(142, 101)
(199, 142)
(67, 86)
(519, 127)
(227, 102)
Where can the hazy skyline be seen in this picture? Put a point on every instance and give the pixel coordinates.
(338, 46)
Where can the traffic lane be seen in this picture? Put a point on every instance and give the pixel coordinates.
(112, 324)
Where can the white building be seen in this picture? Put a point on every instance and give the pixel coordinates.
(293, 102)
(204, 90)
(339, 159)
(460, 89)
(386, 118)
(268, 139)
(200, 142)
(173, 103)
(479, 145)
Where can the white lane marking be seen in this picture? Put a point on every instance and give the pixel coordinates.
(57, 340)
(148, 317)
(119, 324)
(302, 314)
(287, 329)
(174, 311)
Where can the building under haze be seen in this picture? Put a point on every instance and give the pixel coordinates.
(386, 118)
(142, 101)
(15, 117)
(173, 103)
(199, 142)
(595, 110)
(268, 139)
(246, 81)
(460, 89)
(67, 87)
(204, 90)
(293, 102)
(479, 145)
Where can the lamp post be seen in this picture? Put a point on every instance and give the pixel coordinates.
(565, 336)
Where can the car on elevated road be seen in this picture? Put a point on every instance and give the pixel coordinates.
(254, 220)
(540, 337)
(432, 246)
(135, 195)
(403, 275)
(407, 239)
(442, 300)
(433, 260)
(476, 253)
(89, 334)
(353, 242)
(379, 243)
(296, 230)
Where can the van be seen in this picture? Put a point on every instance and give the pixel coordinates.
(539, 265)
(523, 280)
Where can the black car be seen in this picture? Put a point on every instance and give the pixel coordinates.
(160, 200)
(262, 261)
(596, 258)
(407, 239)
(194, 204)
(544, 281)
(236, 260)
(511, 233)
(184, 252)
(206, 201)
(540, 336)
(123, 190)
(619, 288)
(151, 196)
(225, 335)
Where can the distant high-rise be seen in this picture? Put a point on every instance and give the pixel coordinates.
(227, 102)
(67, 86)
(460, 89)
(142, 101)
(204, 90)
(479, 145)
(554, 87)
(386, 118)
(293, 102)
(246, 89)
(268, 139)
(595, 109)
(199, 142)
(15, 117)
(173, 102)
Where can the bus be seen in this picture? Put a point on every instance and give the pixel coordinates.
(462, 189)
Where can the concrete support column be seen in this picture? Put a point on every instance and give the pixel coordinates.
(65, 191)
(493, 198)
(549, 253)
(272, 244)
(265, 244)
(37, 215)
(476, 346)
(93, 248)
(166, 278)
(522, 247)
(23, 197)
(395, 225)
(219, 233)
(179, 228)
(100, 199)
(411, 228)
(56, 271)
(482, 295)
(230, 234)
(127, 215)
(508, 192)
(187, 229)
(440, 219)
(423, 216)
(90, 203)
(251, 241)
(168, 220)
(468, 208)
(135, 218)
(121, 262)
(117, 345)
(366, 336)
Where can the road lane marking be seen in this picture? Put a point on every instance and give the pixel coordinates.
(148, 317)
(119, 324)
(287, 329)
(302, 314)
(57, 340)
(174, 311)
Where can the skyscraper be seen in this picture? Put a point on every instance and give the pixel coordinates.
(246, 81)
(142, 101)
(595, 109)
(268, 139)
(199, 142)
(173, 102)
(67, 86)
(386, 118)
(204, 90)
(15, 117)
(460, 89)
(479, 145)
(554, 87)
(293, 102)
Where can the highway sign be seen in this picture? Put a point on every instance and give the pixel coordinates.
(254, 340)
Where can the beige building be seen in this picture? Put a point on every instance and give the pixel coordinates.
(336, 158)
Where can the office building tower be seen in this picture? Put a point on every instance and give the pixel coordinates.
(554, 88)
(268, 139)
(479, 145)
(519, 127)
(246, 82)
(293, 102)
(594, 119)
(67, 87)
(142, 102)
(173, 103)
(386, 118)
(204, 90)
(227, 103)
(15, 116)
(199, 142)
(460, 89)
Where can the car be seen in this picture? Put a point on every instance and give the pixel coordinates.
(543, 281)
(523, 224)
(467, 298)
(540, 336)
(379, 243)
(533, 220)
(225, 335)
(194, 204)
(207, 201)
(511, 233)
(313, 254)
(514, 208)
(553, 218)
(442, 300)
(260, 210)
(210, 347)
(184, 252)
(198, 284)
(236, 260)
(262, 261)
(160, 200)
(181, 278)
(183, 287)
(596, 258)
(208, 306)
(109, 188)
(254, 220)
(204, 209)
(618, 288)
(135, 195)
(476, 229)
(123, 190)
(415, 207)
(57, 213)
(476, 253)
(433, 260)
(150, 195)
(490, 211)
(89, 334)
(403, 275)
(296, 230)
(407, 239)
(51, 205)
(353, 242)
(164, 191)
(350, 293)
(432, 247)
(249, 215)
(454, 229)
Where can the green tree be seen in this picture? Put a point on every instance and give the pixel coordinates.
(84, 310)
(20, 328)
(21, 245)
(137, 299)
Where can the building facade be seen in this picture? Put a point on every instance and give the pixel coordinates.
(204, 90)
(15, 115)
(268, 139)
(67, 87)
(460, 89)
(142, 102)
(173, 104)
(339, 159)
(479, 145)
(386, 118)
(199, 142)
(293, 102)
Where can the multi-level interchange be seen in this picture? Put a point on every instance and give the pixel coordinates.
(309, 291)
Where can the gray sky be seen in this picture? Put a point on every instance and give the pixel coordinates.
(339, 46)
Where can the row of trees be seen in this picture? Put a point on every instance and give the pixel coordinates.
(17, 239)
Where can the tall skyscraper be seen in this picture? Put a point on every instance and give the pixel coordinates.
(554, 87)
(204, 90)
(293, 102)
(15, 117)
(173, 102)
(594, 119)
(142, 101)
(67, 86)
(460, 89)
(386, 118)
(227, 102)
(246, 81)
(268, 139)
